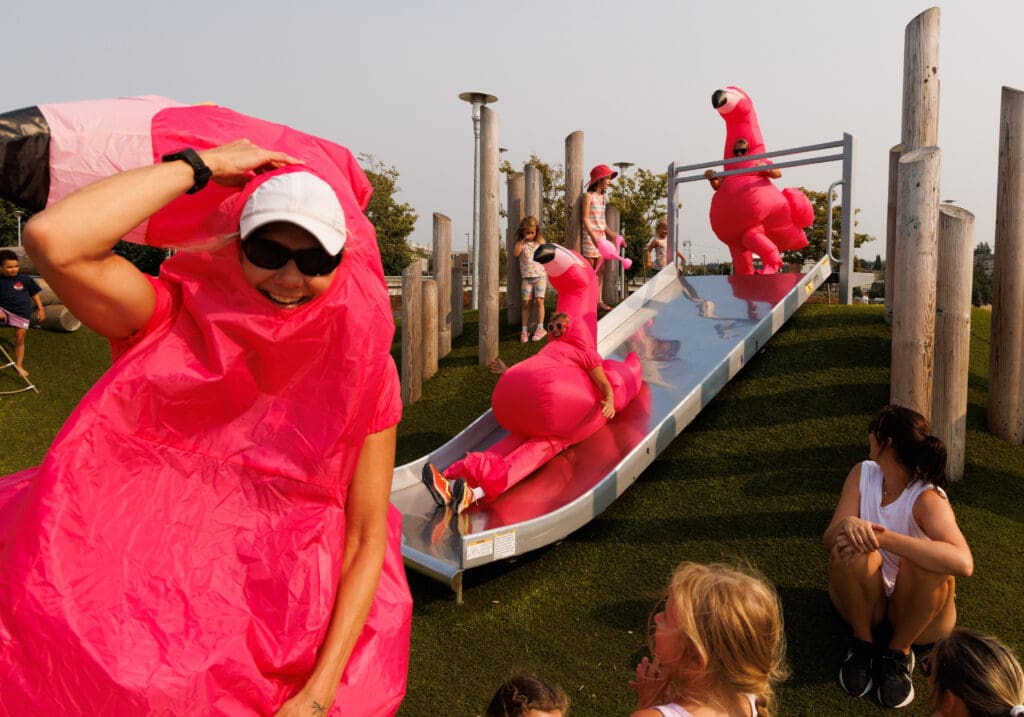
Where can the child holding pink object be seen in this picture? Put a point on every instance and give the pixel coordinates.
(598, 241)
(718, 646)
(534, 278)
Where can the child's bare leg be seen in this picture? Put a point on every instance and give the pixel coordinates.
(857, 590)
(525, 314)
(19, 351)
(540, 310)
(921, 608)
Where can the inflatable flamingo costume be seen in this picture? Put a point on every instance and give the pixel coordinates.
(748, 212)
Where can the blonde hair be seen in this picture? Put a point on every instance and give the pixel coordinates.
(730, 627)
(528, 222)
(978, 669)
(661, 224)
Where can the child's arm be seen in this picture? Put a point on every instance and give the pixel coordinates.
(40, 313)
(366, 532)
(597, 375)
(517, 248)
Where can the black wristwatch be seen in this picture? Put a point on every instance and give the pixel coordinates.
(200, 172)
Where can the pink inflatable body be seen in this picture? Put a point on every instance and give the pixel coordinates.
(548, 402)
(179, 549)
(748, 212)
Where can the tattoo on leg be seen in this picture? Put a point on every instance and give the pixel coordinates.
(319, 709)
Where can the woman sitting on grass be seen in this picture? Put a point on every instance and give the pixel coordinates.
(894, 549)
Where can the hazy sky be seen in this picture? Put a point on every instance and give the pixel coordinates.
(636, 77)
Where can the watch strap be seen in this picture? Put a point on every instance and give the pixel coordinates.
(201, 174)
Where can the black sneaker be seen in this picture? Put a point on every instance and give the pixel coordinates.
(895, 688)
(855, 672)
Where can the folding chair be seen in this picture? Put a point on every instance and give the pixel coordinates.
(29, 386)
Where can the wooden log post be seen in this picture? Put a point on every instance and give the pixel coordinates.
(610, 288)
(534, 194)
(412, 333)
(890, 232)
(513, 276)
(430, 332)
(953, 333)
(490, 234)
(443, 277)
(1006, 374)
(458, 300)
(913, 326)
(574, 179)
(920, 126)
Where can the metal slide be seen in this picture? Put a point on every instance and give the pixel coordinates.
(692, 333)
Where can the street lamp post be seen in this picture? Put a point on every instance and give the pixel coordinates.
(478, 100)
(19, 227)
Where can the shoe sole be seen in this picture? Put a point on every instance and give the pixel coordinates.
(427, 477)
(459, 490)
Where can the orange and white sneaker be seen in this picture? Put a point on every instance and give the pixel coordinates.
(462, 495)
(439, 486)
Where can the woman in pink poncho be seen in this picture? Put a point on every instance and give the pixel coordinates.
(210, 532)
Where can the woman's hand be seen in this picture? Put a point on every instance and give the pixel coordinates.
(857, 535)
(234, 164)
(649, 684)
(304, 705)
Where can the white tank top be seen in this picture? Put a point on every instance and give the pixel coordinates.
(898, 516)
(674, 710)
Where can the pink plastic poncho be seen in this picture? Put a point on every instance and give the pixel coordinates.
(547, 401)
(748, 212)
(179, 549)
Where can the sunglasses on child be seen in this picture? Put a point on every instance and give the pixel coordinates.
(268, 254)
(557, 326)
(739, 151)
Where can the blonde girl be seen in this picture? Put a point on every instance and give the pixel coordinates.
(973, 675)
(534, 284)
(718, 646)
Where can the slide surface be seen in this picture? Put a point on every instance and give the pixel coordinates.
(692, 333)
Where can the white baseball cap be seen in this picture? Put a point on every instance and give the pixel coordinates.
(298, 198)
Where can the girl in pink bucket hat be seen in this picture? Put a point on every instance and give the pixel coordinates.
(598, 241)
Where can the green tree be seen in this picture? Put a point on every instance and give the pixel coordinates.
(9, 222)
(877, 266)
(552, 197)
(815, 248)
(641, 201)
(394, 222)
(983, 248)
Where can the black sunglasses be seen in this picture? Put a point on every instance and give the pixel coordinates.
(557, 326)
(268, 254)
(739, 151)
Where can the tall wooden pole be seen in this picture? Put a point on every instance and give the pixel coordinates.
(443, 277)
(920, 126)
(458, 300)
(1006, 375)
(513, 276)
(490, 234)
(890, 232)
(430, 332)
(574, 178)
(913, 326)
(412, 333)
(610, 287)
(953, 333)
(534, 190)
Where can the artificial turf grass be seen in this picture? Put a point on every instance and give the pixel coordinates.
(63, 366)
(755, 477)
